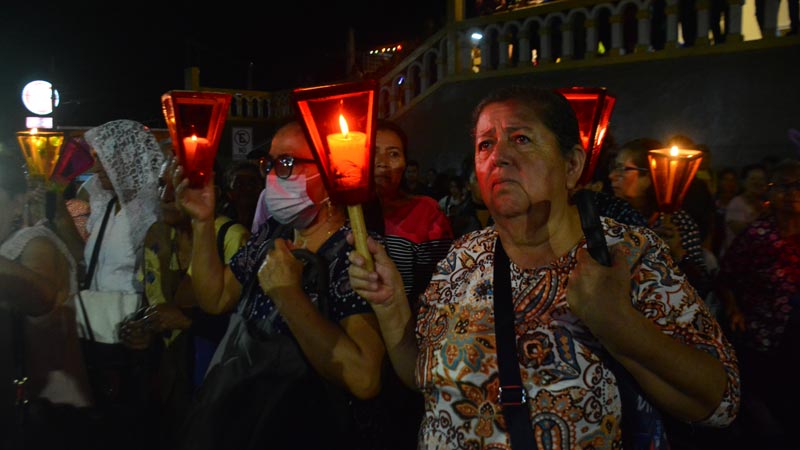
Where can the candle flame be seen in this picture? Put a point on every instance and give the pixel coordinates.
(194, 137)
(34, 130)
(674, 151)
(343, 125)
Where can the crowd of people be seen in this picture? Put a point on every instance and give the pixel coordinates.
(238, 315)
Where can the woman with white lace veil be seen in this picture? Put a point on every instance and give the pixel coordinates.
(128, 161)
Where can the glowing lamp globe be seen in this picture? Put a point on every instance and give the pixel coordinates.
(195, 120)
(593, 108)
(672, 170)
(41, 150)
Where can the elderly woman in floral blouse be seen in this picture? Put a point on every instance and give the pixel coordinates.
(569, 311)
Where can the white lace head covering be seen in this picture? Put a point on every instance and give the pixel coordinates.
(131, 157)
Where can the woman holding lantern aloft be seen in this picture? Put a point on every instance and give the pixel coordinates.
(631, 180)
(572, 318)
(276, 303)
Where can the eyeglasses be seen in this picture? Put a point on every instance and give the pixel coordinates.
(619, 167)
(283, 165)
(785, 187)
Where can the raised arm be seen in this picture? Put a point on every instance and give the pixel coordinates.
(383, 289)
(682, 380)
(216, 289)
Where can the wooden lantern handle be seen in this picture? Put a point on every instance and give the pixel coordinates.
(356, 214)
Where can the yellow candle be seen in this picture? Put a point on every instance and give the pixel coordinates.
(347, 154)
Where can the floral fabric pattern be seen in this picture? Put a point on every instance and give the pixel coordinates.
(763, 269)
(573, 396)
(343, 299)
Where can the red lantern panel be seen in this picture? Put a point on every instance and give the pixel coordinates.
(592, 108)
(196, 121)
(339, 122)
(672, 170)
(76, 158)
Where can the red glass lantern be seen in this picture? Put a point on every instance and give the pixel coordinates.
(593, 108)
(339, 122)
(672, 170)
(76, 158)
(196, 120)
(41, 150)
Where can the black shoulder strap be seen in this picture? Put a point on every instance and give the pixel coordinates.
(592, 228)
(87, 281)
(20, 369)
(223, 230)
(512, 396)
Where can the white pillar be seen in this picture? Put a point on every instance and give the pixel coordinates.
(544, 38)
(591, 39)
(616, 35)
(502, 61)
(734, 25)
(643, 30)
(770, 29)
(486, 52)
(524, 52)
(702, 23)
(566, 42)
(672, 24)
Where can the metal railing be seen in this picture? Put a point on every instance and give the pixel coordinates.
(535, 36)
(558, 35)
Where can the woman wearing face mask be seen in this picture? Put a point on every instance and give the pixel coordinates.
(343, 348)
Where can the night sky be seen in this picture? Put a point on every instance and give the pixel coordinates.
(113, 60)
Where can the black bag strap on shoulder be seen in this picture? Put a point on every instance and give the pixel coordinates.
(223, 230)
(87, 280)
(20, 380)
(512, 396)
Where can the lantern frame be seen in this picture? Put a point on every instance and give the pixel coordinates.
(593, 120)
(41, 150)
(316, 108)
(75, 159)
(199, 116)
(672, 174)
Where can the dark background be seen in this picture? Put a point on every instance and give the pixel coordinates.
(113, 60)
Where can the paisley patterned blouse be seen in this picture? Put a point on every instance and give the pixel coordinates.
(573, 396)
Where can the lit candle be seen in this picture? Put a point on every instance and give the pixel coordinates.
(347, 153)
(671, 170)
(191, 145)
(674, 153)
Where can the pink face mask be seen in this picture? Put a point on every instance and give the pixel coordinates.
(288, 202)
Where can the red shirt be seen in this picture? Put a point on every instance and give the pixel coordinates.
(419, 220)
